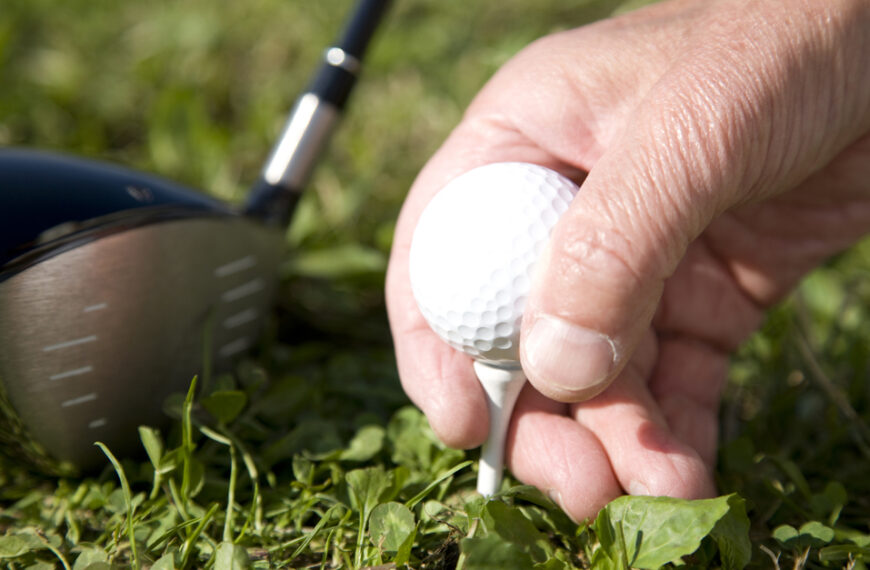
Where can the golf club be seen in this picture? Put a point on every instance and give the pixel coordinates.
(118, 287)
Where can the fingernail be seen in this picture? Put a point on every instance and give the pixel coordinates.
(556, 497)
(637, 488)
(567, 356)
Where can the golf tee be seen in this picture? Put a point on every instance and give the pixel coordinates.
(502, 386)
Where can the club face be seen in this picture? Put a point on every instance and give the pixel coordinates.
(93, 337)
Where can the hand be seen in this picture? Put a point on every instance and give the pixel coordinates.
(723, 150)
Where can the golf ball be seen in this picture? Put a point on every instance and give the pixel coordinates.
(474, 250)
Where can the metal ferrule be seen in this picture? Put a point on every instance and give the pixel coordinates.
(311, 122)
(337, 57)
(305, 134)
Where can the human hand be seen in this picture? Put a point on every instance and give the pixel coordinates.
(724, 149)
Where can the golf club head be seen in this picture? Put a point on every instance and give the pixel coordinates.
(116, 288)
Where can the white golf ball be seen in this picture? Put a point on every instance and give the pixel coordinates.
(474, 251)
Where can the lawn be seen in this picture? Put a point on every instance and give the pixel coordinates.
(314, 457)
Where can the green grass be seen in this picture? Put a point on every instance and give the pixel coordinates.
(308, 455)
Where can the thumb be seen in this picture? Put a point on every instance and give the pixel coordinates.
(725, 125)
(598, 284)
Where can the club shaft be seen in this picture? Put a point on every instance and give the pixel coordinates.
(313, 118)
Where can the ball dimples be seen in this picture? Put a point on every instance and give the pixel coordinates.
(474, 250)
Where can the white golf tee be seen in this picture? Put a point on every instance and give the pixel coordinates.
(502, 386)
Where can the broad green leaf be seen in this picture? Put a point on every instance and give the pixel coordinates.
(403, 554)
(475, 508)
(366, 485)
(318, 437)
(225, 405)
(171, 460)
(511, 525)
(819, 533)
(608, 553)
(303, 469)
(528, 494)
(231, 556)
(367, 443)
(731, 534)
(811, 534)
(830, 502)
(549, 517)
(409, 432)
(649, 532)
(152, 443)
(390, 525)
(160, 525)
(18, 544)
(116, 501)
(844, 534)
(90, 555)
(784, 533)
(493, 553)
(400, 476)
(165, 562)
(843, 552)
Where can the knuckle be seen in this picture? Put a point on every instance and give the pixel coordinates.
(683, 477)
(586, 250)
(545, 48)
(546, 63)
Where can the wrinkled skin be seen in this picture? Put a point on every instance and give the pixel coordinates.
(723, 150)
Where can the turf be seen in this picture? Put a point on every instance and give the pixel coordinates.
(309, 454)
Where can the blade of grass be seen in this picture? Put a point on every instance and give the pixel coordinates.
(50, 547)
(188, 547)
(256, 511)
(837, 397)
(319, 527)
(172, 531)
(187, 441)
(231, 485)
(412, 502)
(177, 500)
(128, 500)
(360, 538)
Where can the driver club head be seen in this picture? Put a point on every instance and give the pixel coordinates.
(103, 318)
(118, 287)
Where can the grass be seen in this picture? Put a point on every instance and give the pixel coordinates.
(309, 455)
